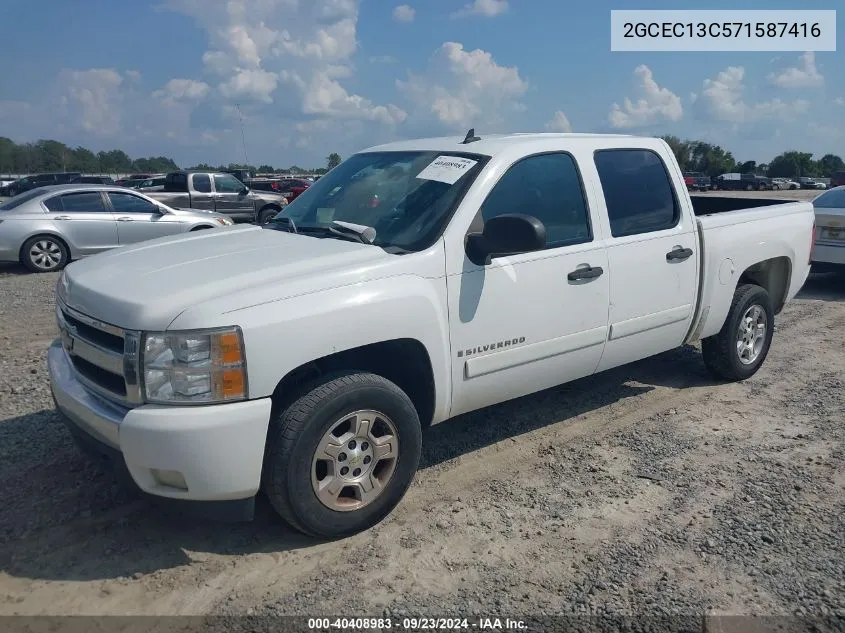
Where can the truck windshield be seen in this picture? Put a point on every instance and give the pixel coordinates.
(407, 197)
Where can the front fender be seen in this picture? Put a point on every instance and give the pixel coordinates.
(282, 335)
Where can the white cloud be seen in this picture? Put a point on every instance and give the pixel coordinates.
(404, 13)
(806, 75)
(722, 99)
(485, 8)
(182, 90)
(257, 84)
(464, 88)
(94, 98)
(292, 54)
(654, 105)
(839, 101)
(559, 123)
(383, 59)
(324, 96)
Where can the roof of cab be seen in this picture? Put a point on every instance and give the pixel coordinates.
(490, 144)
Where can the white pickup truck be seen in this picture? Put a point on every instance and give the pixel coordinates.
(416, 281)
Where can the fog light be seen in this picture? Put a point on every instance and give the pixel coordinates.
(172, 478)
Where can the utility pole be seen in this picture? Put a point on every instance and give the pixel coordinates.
(243, 136)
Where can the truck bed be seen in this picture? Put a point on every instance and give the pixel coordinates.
(710, 205)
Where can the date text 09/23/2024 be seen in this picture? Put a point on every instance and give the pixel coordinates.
(416, 624)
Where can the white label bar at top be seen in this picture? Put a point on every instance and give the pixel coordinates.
(723, 30)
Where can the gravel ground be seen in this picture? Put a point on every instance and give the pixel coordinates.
(644, 490)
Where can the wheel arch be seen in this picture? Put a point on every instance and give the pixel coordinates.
(403, 361)
(72, 254)
(773, 275)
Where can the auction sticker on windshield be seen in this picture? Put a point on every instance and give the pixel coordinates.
(448, 169)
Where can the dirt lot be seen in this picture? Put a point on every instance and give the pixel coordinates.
(647, 489)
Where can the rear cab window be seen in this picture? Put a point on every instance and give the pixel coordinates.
(177, 182)
(201, 183)
(638, 191)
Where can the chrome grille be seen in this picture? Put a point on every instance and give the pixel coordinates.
(104, 356)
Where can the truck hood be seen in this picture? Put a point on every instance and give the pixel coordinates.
(146, 286)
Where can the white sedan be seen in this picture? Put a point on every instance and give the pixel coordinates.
(829, 247)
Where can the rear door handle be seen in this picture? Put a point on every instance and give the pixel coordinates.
(678, 254)
(591, 272)
(124, 219)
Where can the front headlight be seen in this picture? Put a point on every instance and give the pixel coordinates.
(194, 367)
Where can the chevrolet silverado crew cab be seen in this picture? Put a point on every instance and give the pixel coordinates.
(415, 282)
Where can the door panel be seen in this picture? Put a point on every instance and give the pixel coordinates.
(202, 195)
(652, 254)
(230, 198)
(136, 221)
(84, 221)
(520, 324)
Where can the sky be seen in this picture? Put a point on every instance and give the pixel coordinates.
(309, 77)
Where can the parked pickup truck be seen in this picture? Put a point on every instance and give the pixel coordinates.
(303, 358)
(697, 181)
(219, 192)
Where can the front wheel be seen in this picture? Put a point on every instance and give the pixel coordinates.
(739, 349)
(342, 456)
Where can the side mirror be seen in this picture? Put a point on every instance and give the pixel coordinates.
(509, 234)
(245, 190)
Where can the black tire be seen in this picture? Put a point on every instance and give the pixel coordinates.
(266, 214)
(46, 244)
(720, 350)
(296, 433)
(749, 187)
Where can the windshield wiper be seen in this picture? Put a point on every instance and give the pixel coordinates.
(363, 233)
(343, 230)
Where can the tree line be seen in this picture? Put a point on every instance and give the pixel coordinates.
(46, 156)
(54, 156)
(332, 161)
(714, 160)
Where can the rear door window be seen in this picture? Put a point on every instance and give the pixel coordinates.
(202, 183)
(82, 202)
(637, 191)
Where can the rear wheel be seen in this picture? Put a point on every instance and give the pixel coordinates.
(342, 456)
(739, 349)
(44, 254)
(266, 214)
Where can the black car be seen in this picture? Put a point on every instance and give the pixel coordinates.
(93, 180)
(28, 183)
(742, 182)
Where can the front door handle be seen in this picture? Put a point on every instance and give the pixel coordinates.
(63, 217)
(678, 254)
(591, 272)
(124, 219)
